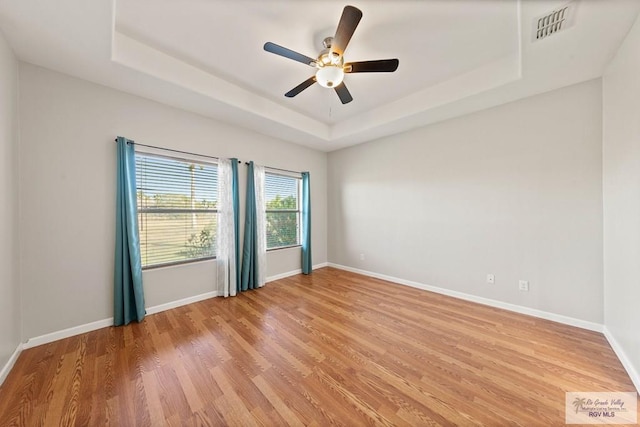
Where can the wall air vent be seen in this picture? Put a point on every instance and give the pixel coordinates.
(553, 22)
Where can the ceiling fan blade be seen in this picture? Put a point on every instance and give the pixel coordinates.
(346, 27)
(302, 86)
(378, 66)
(288, 53)
(343, 93)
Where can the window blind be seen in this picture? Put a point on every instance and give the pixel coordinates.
(282, 196)
(177, 209)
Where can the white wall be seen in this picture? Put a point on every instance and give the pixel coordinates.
(621, 169)
(9, 284)
(515, 191)
(68, 194)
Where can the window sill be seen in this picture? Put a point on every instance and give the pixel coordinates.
(177, 263)
(283, 247)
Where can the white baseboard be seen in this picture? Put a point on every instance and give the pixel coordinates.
(66, 333)
(592, 326)
(617, 348)
(179, 303)
(294, 272)
(4, 372)
(104, 323)
(283, 275)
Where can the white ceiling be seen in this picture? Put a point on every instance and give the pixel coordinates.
(206, 56)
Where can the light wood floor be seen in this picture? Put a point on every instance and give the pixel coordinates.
(330, 348)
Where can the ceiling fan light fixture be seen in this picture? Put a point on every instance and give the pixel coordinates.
(329, 76)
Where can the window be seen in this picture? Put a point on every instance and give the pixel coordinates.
(282, 197)
(177, 209)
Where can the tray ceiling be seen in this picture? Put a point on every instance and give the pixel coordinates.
(206, 56)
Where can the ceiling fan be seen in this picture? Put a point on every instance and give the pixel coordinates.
(330, 65)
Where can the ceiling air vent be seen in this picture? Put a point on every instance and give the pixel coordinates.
(553, 22)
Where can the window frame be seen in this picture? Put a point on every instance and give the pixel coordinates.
(186, 159)
(298, 211)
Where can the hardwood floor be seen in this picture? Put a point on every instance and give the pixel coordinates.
(329, 348)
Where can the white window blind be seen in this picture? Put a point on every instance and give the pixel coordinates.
(282, 197)
(177, 209)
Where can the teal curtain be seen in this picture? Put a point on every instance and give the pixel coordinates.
(249, 279)
(128, 293)
(307, 265)
(236, 215)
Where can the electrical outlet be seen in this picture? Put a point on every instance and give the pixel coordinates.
(523, 285)
(361, 257)
(491, 278)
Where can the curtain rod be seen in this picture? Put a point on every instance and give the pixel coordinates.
(278, 169)
(174, 151)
